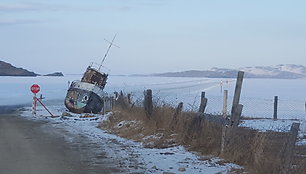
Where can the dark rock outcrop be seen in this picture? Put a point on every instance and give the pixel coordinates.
(59, 74)
(7, 69)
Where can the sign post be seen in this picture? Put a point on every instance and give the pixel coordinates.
(34, 89)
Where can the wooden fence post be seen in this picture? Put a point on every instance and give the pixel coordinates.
(179, 108)
(225, 98)
(129, 100)
(148, 103)
(289, 149)
(237, 115)
(275, 107)
(237, 108)
(202, 95)
(108, 104)
(203, 103)
(111, 102)
(224, 138)
(116, 95)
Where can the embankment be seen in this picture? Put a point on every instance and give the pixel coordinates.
(258, 152)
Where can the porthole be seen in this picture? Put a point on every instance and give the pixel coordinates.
(85, 98)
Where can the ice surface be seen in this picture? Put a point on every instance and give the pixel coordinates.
(257, 94)
(257, 98)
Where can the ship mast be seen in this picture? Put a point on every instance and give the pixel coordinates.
(109, 47)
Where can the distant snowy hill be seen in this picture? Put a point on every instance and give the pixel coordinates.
(288, 71)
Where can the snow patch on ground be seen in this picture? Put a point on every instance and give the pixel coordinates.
(127, 123)
(265, 125)
(171, 159)
(133, 155)
(281, 125)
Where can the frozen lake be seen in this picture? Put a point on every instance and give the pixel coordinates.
(257, 94)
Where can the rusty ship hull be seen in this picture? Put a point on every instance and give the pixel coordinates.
(87, 95)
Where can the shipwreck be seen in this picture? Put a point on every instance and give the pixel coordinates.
(87, 95)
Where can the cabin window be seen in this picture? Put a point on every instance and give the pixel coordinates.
(95, 78)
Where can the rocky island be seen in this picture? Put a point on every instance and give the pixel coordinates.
(58, 74)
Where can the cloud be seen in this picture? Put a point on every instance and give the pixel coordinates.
(146, 2)
(122, 5)
(12, 8)
(130, 5)
(151, 2)
(20, 7)
(4, 22)
(17, 7)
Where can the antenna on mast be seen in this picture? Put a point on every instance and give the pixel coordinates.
(109, 47)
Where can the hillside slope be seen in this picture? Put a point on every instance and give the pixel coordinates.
(281, 71)
(7, 69)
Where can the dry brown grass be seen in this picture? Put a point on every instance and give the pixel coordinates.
(258, 152)
(153, 130)
(299, 160)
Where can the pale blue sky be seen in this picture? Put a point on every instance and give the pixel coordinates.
(153, 35)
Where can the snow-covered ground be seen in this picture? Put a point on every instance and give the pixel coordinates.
(174, 159)
(268, 125)
(281, 125)
(257, 98)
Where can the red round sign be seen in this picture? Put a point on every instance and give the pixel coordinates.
(35, 88)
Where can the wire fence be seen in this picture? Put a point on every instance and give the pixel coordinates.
(239, 143)
(172, 92)
(259, 108)
(261, 146)
(252, 107)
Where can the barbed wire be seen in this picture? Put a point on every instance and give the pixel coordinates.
(252, 107)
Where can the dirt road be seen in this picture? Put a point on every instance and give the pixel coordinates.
(26, 148)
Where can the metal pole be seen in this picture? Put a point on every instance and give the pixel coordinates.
(34, 105)
(109, 47)
(44, 107)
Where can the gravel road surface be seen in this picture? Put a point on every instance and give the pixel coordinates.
(28, 147)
